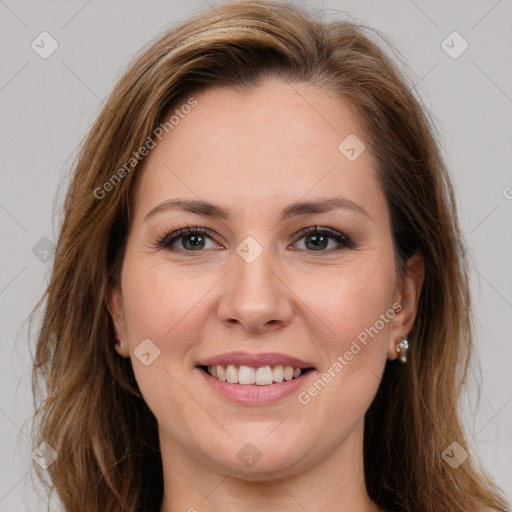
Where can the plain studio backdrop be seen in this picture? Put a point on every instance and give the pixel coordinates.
(459, 54)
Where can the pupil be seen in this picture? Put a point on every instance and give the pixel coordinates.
(196, 240)
(323, 239)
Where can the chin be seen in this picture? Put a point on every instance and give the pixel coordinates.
(259, 458)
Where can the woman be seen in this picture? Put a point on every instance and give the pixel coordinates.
(259, 298)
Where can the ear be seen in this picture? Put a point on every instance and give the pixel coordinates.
(116, 309)
(407, 294)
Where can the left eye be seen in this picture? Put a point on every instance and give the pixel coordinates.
(193, 239)
(317, 239)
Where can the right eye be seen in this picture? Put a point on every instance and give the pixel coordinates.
(193, 239)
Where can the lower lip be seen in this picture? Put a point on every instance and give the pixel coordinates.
(252, 393)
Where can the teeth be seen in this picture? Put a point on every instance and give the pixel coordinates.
(232, 374)
(277, 373)
(264, 376)
(288, 373)
(246, 375)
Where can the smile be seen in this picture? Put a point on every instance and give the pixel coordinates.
(246, 375)
(255, 379)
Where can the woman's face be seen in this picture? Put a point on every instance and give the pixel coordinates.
(252, 290)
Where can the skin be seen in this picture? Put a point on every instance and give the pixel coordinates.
(254, 153)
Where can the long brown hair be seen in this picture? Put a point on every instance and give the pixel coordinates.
(88, 405)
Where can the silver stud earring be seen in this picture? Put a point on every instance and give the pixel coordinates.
(402, 348)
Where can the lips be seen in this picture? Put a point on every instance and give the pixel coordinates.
(244, 370)
(255, 360)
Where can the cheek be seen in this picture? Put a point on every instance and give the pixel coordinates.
(162, 305)
(356, 304)
(363, 299)
(160, 299)
(351, 299)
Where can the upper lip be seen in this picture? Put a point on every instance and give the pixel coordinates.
(255, 360)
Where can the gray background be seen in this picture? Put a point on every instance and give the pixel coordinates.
(47, 106)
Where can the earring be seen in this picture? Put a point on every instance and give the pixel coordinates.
(401, 348)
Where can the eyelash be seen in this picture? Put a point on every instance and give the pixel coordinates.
(168, 240)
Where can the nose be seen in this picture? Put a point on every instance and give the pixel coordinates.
(256, 297)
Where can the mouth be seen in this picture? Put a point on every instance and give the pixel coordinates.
(255, 379)
(250, 375)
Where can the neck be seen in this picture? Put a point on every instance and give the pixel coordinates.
(334, 483)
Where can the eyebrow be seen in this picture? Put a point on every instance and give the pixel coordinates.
(208, 209)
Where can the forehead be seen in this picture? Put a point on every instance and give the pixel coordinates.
(277, 140)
